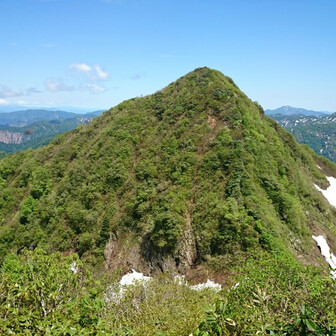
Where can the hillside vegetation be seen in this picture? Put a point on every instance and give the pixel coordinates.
(192, 176)
(197, 156)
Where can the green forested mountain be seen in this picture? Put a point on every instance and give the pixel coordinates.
(153, 167)
(194, 178)
(319, 133)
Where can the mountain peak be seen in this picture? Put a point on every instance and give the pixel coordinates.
(206, 73)
(166, 181)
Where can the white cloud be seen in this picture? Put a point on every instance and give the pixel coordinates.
(32, 90)
(94, 88)
(57, 85)
(6, 92)
(83, 77)
(100, 73)
(21, 102)
(3, 101)
(94, 73)
(81, 67)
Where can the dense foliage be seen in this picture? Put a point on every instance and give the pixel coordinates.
(198, 155)
(195, 171)
(55, 295)
(274, 295)
(269, 294)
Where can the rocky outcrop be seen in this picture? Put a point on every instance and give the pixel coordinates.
(8, 137)
(144, 257)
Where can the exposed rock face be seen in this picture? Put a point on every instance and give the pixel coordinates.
(145, 258)
(113, 253)
(8, 137)
(187, 248)
(116, 256)
(139, 256)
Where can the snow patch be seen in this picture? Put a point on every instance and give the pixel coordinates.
(209, 284)
(73, 267)
(206, 285)
(116, 291)
(132, 278)
(327, 254)
(330, 192)
(318, 167)
(180, 280)
(236, 285)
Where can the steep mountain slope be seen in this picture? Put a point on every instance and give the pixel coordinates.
(319, 133)
(167, 181)
(289, 110)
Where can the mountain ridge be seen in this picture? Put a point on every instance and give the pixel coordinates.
(8, 108)
(166, 181)
(23, 118)
(189, 184)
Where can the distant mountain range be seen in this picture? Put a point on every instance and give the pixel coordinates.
(26, 117)
(20, 130)
(77, 110)
(319, 133)
(289, 110)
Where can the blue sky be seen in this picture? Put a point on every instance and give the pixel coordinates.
(97, 53)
